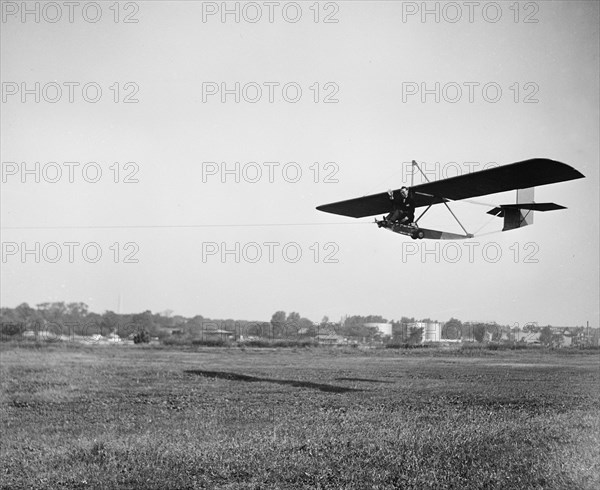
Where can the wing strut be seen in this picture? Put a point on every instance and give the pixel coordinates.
(444, 200)
(421, 215)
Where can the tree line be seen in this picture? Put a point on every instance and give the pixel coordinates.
(71, 319)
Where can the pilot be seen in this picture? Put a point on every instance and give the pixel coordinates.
(403, 208)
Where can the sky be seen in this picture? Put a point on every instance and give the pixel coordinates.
(170, 156)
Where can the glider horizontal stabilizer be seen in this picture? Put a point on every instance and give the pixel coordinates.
(520, 214)
(534, 206)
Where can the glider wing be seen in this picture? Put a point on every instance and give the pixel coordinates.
(520, 175)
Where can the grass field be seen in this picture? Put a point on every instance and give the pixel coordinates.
(142, 417)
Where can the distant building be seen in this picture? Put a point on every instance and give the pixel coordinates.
(527, 337)
(218, 334)
(432, 332)
(328, 338)
(384, 329)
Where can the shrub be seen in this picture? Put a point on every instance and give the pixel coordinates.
(176, 340)
(406, 345)
(11, 329)
(142, 337)
(211, 342)
(279, 343)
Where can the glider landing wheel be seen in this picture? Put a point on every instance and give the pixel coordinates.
(418, 235)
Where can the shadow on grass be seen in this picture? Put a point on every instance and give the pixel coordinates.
(252, 379)
(364, 380)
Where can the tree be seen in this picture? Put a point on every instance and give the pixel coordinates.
(142, 337)
(374, 319)
(77, 311)
(11, 329)
(293, 317)
(479, 332)
(144, 321)
(415, 336)
(354, 326)
(292, 325)
(399, 331)
(307, 327)
(109, 323)
(546, 336)
(26, 314)
(194, 326)
(452, 329)
(53, 312)
(495, 331)
(277, 323)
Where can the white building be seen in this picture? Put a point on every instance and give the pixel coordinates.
(384, 328)
(432, 332)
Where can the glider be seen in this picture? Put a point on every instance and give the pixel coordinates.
(521, 176)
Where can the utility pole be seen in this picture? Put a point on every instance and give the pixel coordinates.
(588, 339)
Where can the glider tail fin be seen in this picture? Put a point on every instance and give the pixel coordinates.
(525, 216)
(517, 217)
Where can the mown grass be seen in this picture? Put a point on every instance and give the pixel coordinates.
(130, 417)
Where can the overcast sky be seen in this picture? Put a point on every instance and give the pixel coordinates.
(349, 92)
